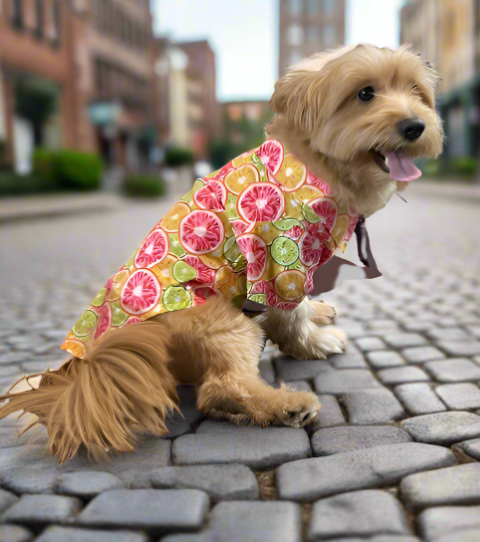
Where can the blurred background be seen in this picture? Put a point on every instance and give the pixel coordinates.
(133, 96)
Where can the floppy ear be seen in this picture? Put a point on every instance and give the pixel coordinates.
(298, 97)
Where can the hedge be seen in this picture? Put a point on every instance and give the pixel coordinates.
(144, 186)
(178, 156)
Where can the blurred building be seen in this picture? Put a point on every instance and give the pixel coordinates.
(307, 27)
(188, 109)
(447, 33)
(245, 121)
(95, 58)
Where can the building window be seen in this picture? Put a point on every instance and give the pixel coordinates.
(328, 6)
(56, 15)
(17, 13)
(39, 19)
(329, 36)
(313, 6)
(295, 7)
(295, 34)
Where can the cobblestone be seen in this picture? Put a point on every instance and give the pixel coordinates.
(292, 369)
(444, 428)
(15, 533)
(448, 520)
(330, 413)
(402, 375)
(419, 399)
(362, 513)
(86, 485)
(421, 354)
(337, 382)
(460, 348)
(68, 534)
(372, 406)
(39, 510)
(402, 340)
(385, 358)
(460, 396)
(334, 440)
(453, 370)
(367, 344)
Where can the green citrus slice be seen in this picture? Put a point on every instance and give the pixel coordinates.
(176, 298)
(288, 223)
(310, 214)
(183, 272)
(284, 251)
(259, 298)
(87, 321)
(119, 317)
(99, 298)
(175, 246)
(231, 207)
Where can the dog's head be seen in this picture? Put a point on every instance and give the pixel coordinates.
(371, 107)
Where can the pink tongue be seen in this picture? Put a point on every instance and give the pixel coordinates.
(401, 166)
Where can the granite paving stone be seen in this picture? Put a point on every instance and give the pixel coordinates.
(39, 510)
(453, 370)
(153, 510)
(317, 477)
(372, 406)
(460, 348)
(402, 340)
(353, 360)
(419, 398)
(256, 522)
(447, 520)
(292, 369)
(266, 371)
(336, 382)
(70, 534)
(385, 358)
(459, 396)
(382, 324)
(367, 344)
(221, 482)
(421, 354)
(471, 448)
(459, 485)
(86, 485)
(14, 533)
(474, 330)
(464, 535)
(7, 499)
(402, 375)
(448, 334)
(221, 442)
(443, 428)
(361, 513)
(300, 385)
(330, 414)
(334, 440)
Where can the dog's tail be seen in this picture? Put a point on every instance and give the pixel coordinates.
(123, 384)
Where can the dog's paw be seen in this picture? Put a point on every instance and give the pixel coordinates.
(301, 409)
(321, 314)
(317, 344)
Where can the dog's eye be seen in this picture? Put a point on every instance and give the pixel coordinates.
(366, 94)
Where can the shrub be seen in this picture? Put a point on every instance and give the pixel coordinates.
(78, 170)
(12, 184)
(178, 156)
(45, 165)
(431, 167)
(465, 166)
(144, 186)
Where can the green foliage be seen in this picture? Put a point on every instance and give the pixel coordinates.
(444, 168)
(178, 156)
(144, 186)
(12, 184)
(3, 151)
(465, 166)
(222, 151)
(67, 169)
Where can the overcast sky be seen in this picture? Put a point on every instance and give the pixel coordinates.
(244, 36)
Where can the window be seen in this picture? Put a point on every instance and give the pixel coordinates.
(56, 22)
(313, 6)
(295, 34)
(329, 36)
(39, 17)
(328, 6)
(295, 6)
(17, 13)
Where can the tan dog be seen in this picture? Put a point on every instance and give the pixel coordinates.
(355, 117)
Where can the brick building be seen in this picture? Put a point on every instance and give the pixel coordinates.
(97, 56)
(307, 27)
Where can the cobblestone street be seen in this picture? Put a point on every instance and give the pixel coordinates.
(393, 456)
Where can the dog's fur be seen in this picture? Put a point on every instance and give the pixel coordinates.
(127, 382)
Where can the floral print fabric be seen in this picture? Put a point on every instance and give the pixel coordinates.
(256, 229)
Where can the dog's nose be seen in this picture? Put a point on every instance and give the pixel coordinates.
(411, 129)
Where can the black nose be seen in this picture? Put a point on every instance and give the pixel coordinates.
(411, 129)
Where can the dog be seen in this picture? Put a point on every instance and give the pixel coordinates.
(350, 121)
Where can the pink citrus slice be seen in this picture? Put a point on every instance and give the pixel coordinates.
(239, 227)
(153, 250)
(312, 245)
(287, 306)
(261, 202)
(326, 209)
(104, 320)
(211, 197)
(205, 274)
(141, 292)
(321, 185)
(201, 232)
(271, 153)
(200, 295)
(266, 288)
(254, 250)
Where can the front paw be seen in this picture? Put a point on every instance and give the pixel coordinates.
(321, 314)
(300, 410)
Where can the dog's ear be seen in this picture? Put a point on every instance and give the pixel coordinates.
(298, 97)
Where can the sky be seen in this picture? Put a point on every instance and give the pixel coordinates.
(244, 36)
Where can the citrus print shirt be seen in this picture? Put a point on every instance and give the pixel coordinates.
(256, 229)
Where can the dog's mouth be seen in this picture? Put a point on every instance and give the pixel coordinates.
(397, 164)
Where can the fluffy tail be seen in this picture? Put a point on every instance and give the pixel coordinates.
(123, 384)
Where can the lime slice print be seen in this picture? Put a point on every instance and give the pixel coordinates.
(87, 322)
(284, 251)
(175, 246)
(310, 214)
(286, 224)
(231, 207)
(99, 298)
(259, 298)
(119, 317)
(176, 298)
(182, 272)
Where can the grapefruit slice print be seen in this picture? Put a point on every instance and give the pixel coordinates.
(211, 197)
(261, 202)
(271, 153)
(326, 209)
(201, 232)
(153, 250)
(141, 292)
(254, 250)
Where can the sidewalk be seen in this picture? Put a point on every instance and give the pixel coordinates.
(455, 189)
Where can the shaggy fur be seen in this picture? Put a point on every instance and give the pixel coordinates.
(127, 382)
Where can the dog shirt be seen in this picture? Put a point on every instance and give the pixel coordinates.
(254, 231)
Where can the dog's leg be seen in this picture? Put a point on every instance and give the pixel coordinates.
(297, 333)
